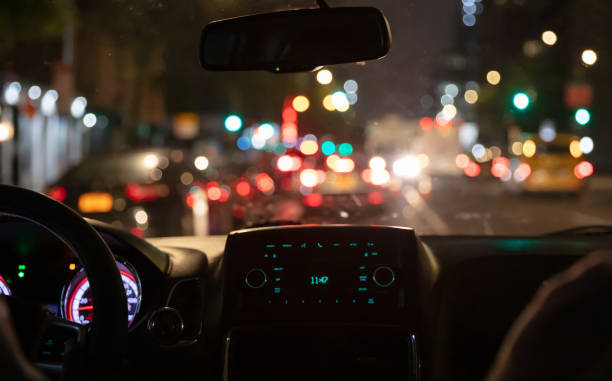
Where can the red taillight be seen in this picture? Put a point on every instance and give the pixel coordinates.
(214, 192)
(500, 166)
(313, 200)
(58, 193)
(138, 232)
(189, 200)
(583, 169)
(264, 183)
(375, 198)
(243, 188)
(143, 193)
(225, 194)
(472, 169)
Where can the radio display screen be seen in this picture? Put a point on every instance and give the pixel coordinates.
(303, 272)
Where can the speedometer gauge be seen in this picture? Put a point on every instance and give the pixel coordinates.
(77, 304)
(4, 288)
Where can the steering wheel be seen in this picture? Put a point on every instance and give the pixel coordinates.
(103, 345)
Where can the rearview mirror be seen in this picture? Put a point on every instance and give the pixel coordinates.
(293, 41)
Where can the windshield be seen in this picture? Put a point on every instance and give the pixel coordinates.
(486, 117)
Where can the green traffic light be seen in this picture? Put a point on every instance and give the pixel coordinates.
(582, 116)
(345, 149)
(233, 123)
(328, 148)
(521, 101)
(21, 274)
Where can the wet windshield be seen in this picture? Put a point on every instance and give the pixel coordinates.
(486, 117)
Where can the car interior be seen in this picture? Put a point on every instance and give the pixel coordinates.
(288, 302)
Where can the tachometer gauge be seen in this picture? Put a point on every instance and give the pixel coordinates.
(4, 288)
(77, 304)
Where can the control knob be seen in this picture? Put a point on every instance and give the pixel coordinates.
(383, 276)
(255, 278)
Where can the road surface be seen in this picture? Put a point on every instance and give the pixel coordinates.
(467, 206)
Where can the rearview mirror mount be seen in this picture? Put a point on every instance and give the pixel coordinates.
(295, 41)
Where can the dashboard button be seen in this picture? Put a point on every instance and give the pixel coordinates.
(383, 276)
(255, 278)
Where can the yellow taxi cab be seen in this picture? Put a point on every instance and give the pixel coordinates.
(554, 168)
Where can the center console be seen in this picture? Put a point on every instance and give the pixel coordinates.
(321, 302)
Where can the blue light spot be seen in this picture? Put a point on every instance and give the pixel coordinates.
(469, 20)
(243, 143)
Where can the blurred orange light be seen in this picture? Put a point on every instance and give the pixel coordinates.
(472, 169)
(264, 183)
(462, 160)
(243, 188)
(426, 123)
(313, 200)
(309, 147)
(95, 202)
(300, 103)
(328, 104)
(583, 169)
(575, 149)
(529, 148)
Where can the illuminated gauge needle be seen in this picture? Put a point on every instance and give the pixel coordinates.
(85, 308)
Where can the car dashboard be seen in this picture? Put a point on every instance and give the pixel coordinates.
(305, 302)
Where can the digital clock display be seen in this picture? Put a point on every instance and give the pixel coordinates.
(319, 280)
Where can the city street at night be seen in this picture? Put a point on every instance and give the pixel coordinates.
(306, 190)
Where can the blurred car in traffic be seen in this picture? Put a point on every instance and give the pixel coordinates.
(556, 166)
(143, 192)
